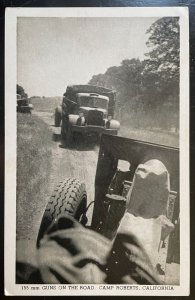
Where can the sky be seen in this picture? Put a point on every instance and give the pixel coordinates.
(55, 52)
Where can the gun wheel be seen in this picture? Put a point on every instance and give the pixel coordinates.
(69, 197)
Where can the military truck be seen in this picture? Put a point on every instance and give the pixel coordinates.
(23, 104)
(86, 110)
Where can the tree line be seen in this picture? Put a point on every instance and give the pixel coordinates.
(148, 90)
(20, 91)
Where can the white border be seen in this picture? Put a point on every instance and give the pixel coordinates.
(10, 145)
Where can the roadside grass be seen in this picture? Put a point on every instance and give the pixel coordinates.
(151, 135)
(33, 168)
(47, 104)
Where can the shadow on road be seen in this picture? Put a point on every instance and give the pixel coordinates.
(80, 146)
(78, 143)
(56, 137)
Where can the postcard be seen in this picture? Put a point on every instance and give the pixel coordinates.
(97, 151)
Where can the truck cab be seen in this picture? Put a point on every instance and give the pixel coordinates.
(87, 110)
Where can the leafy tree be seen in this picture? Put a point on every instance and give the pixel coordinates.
(125, 79)
(162, 65)
(160, 75)
(20, 90)
(149, 89)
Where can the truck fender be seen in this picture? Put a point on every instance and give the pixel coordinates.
(73, 119)
(59, 109)
(31, 106)
(58, 116)
(114, 124)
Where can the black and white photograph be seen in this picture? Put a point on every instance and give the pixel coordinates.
(96, 160)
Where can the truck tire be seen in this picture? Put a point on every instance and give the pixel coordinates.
(69, 136)
(69, 197)
(57, 119)
(63, 134)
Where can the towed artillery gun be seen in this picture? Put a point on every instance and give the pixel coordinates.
(112, 183)
(86, 110)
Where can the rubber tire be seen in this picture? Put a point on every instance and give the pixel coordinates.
(63, 134)
(57, 119)
(69, 197)
(69, 137)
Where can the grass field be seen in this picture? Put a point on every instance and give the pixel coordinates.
(33, 165)
(152, 136)
(46, 104)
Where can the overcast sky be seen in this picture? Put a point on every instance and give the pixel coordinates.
(55, 52)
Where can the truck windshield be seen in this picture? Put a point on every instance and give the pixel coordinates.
(93, 102)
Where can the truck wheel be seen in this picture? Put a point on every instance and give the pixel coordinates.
(69, 197)
(63, 134)
(57, 119)
(69, 136)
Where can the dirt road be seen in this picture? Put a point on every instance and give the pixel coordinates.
(78, 163)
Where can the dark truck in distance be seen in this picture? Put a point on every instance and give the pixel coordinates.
(86, 110)
(23, 104)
